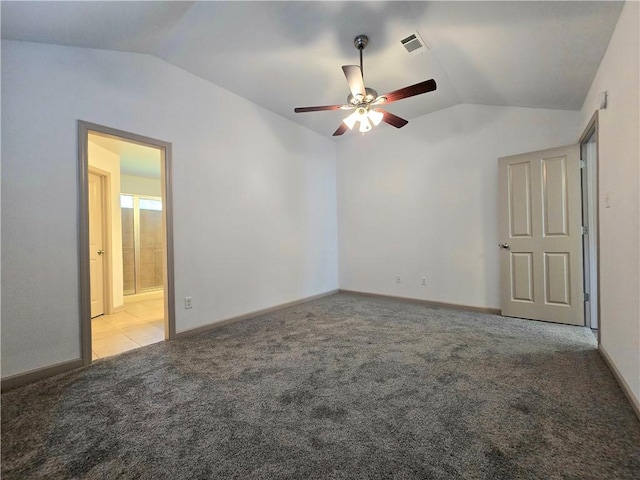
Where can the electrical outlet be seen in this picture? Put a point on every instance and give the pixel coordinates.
(188, 302)
(424, 280)
(398, 279)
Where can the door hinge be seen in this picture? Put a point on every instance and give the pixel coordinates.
(583, 164)
(586, 297)
(585, 230)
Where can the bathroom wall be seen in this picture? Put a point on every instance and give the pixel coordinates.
(140, 185)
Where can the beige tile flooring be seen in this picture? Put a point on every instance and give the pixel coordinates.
(136, 325)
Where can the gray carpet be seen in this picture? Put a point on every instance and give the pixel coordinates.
(344, 387)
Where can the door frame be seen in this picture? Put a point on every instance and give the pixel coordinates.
(593, 203)
(83, 229)
(107, 273)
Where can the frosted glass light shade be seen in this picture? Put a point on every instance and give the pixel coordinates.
(351, 120)
(375, 117)
(365, 125)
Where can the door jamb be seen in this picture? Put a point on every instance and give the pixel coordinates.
(592, 128)
(83, 229)
(106, 234)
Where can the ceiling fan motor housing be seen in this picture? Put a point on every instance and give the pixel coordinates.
(370, 96)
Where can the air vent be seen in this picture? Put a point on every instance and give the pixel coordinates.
(414, 44)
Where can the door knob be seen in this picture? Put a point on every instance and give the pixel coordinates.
(100, 252)
(504, 245)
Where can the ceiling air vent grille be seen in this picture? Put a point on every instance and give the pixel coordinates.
(414, 44)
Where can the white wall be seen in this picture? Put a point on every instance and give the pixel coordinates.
(141, 185)
(619, 178)
(254, 194)
(107, 161)
(423, 200)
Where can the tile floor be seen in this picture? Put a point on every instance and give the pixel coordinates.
(136, 325)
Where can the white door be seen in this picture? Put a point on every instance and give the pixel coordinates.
(96, 245)
(540, 221)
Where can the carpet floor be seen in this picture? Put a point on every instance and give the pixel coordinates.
(344, 387)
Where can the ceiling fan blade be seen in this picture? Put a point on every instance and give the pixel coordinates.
(341, 129)
(354, 78)
(411, 91)
(392, 119)
(317, 109)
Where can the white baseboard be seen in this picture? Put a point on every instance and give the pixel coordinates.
(246, 316)
(431, 303)
(635, 402)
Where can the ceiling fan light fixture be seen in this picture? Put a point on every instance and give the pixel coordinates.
(351, 120)
(360, 115)
(375, 117)
(365, 125)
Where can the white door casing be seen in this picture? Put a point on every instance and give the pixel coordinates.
(540, 221)
(96, 244)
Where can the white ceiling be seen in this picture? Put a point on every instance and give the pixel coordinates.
(281, 55)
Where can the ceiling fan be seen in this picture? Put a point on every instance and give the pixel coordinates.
(365, 100)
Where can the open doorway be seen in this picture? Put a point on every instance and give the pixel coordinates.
(589, 179)
(125, 216)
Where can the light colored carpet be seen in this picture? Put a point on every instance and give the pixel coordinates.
(344, 387)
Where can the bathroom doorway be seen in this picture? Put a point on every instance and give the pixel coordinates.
(137, 257)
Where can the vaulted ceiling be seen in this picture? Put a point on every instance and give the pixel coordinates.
(286, 54)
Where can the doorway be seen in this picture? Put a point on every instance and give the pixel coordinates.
(133, 174)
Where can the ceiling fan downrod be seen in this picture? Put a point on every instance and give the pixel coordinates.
(360, 42)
